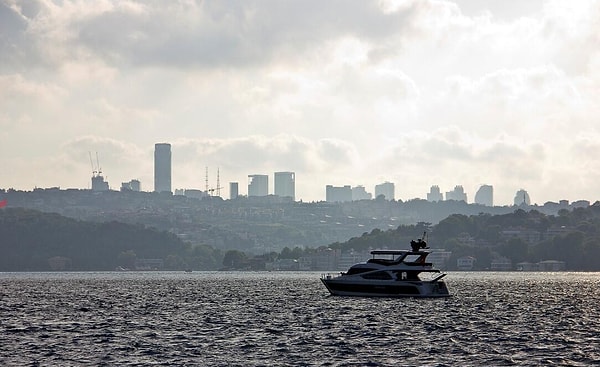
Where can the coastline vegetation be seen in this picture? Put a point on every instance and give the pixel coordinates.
(35, 241)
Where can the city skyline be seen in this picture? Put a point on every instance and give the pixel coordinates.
(414, 92)
(258, 185)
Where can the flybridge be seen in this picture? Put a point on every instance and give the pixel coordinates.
(398, 256)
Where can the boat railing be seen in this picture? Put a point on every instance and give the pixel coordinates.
(327, 276)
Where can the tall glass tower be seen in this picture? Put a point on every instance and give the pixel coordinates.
(258, 185)
(285, 184)
(162, 167)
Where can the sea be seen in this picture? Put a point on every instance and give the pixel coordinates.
(289, 319)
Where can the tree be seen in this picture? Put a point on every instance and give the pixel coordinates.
(234, 259)
(515, 249)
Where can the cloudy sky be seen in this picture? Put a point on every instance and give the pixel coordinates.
(418, 93)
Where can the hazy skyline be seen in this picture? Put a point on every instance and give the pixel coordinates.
(417, 93)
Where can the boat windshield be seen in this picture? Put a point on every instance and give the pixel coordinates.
(412, 258)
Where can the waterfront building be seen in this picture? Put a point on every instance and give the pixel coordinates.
(465, 263)
(501, 264)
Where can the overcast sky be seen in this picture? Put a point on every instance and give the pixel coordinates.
(419, 93)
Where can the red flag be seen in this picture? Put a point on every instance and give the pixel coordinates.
(3, 203)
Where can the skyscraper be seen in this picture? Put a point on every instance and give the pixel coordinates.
(258, 185)
(434, 194)
(522, 198)
(359, 193)
(162, 167)
(233, 190)
(338, 194)
(485, 195)
(458, 194)
(285, 184)
(386, 189)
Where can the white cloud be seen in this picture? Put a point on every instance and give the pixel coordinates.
(348, 92)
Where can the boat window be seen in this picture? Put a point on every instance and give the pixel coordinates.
(411, 258)
(381, 275)
(353, 271)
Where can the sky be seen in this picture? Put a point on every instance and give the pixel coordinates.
(342, 92)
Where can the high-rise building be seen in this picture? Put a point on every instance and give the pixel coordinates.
(133, 185)
(285, 184)
(233, 190)
(258, 185)
(162, 167)
(458, 194)
(359, 193)
(386, 189)
(435, 194)
(335, 194)
(485, 195)
(98, 183)
(522, 198)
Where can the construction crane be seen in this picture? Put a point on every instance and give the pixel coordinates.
(213, 190)
(96, 170)
(98, 165)
(93, 168)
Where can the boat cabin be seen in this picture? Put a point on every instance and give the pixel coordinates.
(393, 257)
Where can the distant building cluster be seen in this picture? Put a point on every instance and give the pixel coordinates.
(285, 186)
(338, 194)
(258, 185)
(133, 185)
(341, 194)
(483, 196)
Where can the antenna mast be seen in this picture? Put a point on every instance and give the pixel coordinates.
(206, 180)
(218, 184)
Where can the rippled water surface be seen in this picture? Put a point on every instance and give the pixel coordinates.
(283, 319)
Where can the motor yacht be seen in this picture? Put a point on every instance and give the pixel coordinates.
(391, 273)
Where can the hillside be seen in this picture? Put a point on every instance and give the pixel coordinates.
(36, 241)
(571, 236)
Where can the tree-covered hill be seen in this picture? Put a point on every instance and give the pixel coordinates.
(571, 236)
(36, 241)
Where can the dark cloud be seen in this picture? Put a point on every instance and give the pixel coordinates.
(204, 33)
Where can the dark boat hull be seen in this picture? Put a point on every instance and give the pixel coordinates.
(421, 289)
